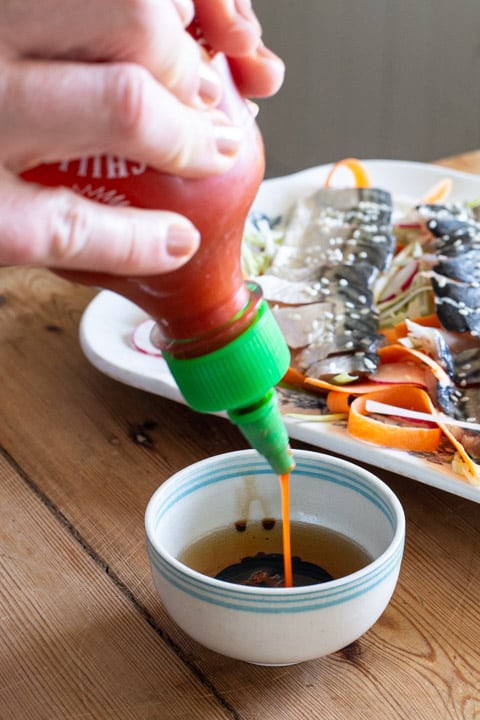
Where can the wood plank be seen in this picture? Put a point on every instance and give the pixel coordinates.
(78, 449)
(467, 162)
(74, 643)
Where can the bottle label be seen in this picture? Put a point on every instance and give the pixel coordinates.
(101, 167)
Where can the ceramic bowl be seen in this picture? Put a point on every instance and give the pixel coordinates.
(265, 625)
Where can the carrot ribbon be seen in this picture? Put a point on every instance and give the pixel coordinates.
(403, 437)
(360, 175)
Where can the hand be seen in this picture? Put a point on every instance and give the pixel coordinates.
(86, 77)
(232, 27)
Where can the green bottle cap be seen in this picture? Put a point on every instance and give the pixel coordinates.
(263, 427)
(239, 378)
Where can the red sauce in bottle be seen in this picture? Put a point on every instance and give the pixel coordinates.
(218, 336)
(207, 298)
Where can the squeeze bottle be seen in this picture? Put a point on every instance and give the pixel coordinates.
(217, 335)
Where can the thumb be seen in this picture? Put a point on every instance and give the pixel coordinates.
(56, 228)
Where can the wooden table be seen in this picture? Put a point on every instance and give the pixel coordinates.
(83, 634)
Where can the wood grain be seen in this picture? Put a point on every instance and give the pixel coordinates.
(74, 433)
(83, 634)
(468, 162)
(74, 642)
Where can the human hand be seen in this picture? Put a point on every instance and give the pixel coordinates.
(231, 27)
(69, 91)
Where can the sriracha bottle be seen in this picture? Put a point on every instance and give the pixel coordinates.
(217, 335)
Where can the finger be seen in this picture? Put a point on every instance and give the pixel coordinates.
(58, 229)
(116, 108)
(138, 31)
(186, 10)
(258, 74)
(230, 26)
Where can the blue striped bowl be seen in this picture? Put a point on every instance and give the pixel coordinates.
(271, 626)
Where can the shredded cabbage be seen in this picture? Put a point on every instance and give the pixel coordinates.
(261, 239)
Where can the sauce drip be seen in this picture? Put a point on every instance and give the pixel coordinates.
(286, 535)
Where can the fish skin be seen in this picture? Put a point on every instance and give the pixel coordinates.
(469, 404)
(466, 368)
(351, 283)
(357, 364)
(457, 304)
(336, 227)
(455, 278)
(336, 243)
(465, 267)
(468, 408)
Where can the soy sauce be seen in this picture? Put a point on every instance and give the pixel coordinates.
(319, 554)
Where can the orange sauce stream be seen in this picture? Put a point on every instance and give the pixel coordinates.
(287, 548)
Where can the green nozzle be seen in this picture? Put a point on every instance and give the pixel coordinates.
(263, 427)
(240, 378)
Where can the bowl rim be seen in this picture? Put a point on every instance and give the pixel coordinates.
(393, 550)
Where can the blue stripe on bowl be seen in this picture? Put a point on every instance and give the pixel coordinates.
(334, 589)
(335, 475)
(268, 600)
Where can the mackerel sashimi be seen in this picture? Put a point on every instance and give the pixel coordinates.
(319, 283)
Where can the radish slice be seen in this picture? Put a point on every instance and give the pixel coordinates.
(400, 281)
(141, 338)
(399, 373)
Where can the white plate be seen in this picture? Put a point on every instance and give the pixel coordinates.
(109, 321)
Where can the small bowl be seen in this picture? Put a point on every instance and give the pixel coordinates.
(265, 625)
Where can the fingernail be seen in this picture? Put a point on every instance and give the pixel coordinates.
(244, 9)
(267, 54)
(253, 108)
(185, 9)
(276, 63)
(182, 240)
(210, 88)
(228, 138)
